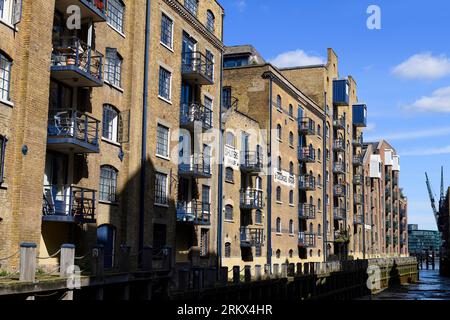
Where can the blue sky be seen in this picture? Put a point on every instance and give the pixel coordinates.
(402, 70)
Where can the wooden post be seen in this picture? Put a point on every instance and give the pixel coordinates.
(223, 276)
(267, 271)
(67, 260)
(276, 270)
(248, 274)
(210, 277)
(311, 268)
(258, 272)
(306, 268)
(147, 258)
(27, 262)
(98, 261)
(299, 269)
(197, 278)
(236, 274)
(291, 270)
(284, 268)
(124, 265)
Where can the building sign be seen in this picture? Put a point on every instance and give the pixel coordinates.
(231, 157)
(284, 178)
(368, 227)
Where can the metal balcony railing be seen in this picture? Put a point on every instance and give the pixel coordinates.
(307, 183)
(251, 199)
(76, 63)
(340, 191)
(388, 224)
(307, 211)
(251, 237)
(358, 179)
(306, 154)
(357, 160)
(306, 126)
(339, 167)
(358, 219)
(307, 239)
(197, 67)
(339, 213)
(339, 122)
(251, 161)
(195, 112)
(198, 167)
(194, 212)
(73, 127)
(358, 141)
(339, 145)
(358, 199)
(73, 204)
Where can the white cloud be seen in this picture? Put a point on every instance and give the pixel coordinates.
(296, 58)
(423, 66)
(370, 127)
(411, 135)
(439, 101)
(426, 151)
(241, 4)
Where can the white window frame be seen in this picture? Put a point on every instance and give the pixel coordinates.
(169, 100)
(6, 16)
(170, 47)
(166, 157)
(115, 125)
(166, 191)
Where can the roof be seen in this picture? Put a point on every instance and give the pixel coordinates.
(244, 49)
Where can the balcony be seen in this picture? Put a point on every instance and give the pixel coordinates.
(388, 224)
(76, 64)
(251, 237)
(307, 183)
(89, 9)
(341, 90)
(251, 199)
(357, 161)
(358, 219)
(388, 240)
(307, 155)
(360, 115)
(339, 123)
(307, 240)
(251, 162)
(71, 131)
(69, 204)
(339, 167)
(358, 199)
(194, 212)
(339, 190)
(193, 114)
(388, 207)
(358, 179)
(306, 211)
(197, 69)
(358, 141)
(306, 126)
(339, 213)
(199, 167)
(387, 177)
(395, 223)
(339, 145)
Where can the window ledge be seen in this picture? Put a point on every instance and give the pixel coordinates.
(108, 203)
(116, 30)
(229, 181)
(114, 86)
(3, 186)
(167, 47)
(229, 221)
(161, 205)
(8, 103)
(165, 100)
(114, 143)
(162, 157)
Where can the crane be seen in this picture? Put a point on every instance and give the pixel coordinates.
(432, 199)
(442, 198)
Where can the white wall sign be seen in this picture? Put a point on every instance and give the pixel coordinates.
(231, 157)
(284, 177)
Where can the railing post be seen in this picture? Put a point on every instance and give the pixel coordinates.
(291, 270)
(27, 262)
(98, 260)
(299, 269)
(284, 268)
(258, 272)
(124, 265)
(267, 271)
(86, 125)
(236, 274)
(67, 260)
(147, 258)
(248, 274)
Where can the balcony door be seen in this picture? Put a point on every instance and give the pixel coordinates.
(55, 184)
(188, 47)
(106, 236)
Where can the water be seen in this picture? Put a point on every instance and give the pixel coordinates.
(431, 286)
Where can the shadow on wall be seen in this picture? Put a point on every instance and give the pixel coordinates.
(394, 276)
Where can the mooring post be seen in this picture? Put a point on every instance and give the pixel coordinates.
(299, 269)
(223, 276)
(291, 270)
(284, 268)
(67, 261)
(276, 270)
(258, 272)
(197, 277)
(306, 268)
(236, 274)
(210, 277)
(267, 271)
(248, 274)
(124, 265)
(97, 260)
(27, 262)
(147, 258)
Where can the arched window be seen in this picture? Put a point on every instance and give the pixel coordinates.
(291, 227)
(227, 250)
(229, 174)
(279, 132)
(230, 141)
(311, 200)
(258, 217)
(319, 130)
(310, 253)
(291, 139)
(319, 252)
(279, 102)
(291, 110)
(258, 183)
(319, 180)
(291, 197)
(210, 20)
(113, 67)
(278, 225)
(311, 227)
(278, 254)
(291, 168)
(291, 253)
(319, 204)
(108, 184)
(279, 164)
(110, 123)
(278, 194)
(319, 230)
(228, 212)
(319, 154)
(5, 76)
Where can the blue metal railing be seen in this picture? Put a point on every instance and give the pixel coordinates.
(307, 239)
(306, 211)
(251, 236)
(306, 154)
(196, 112)
(197, 62)
(194, 211)
(251, 198)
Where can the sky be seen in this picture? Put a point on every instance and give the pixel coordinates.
(402, 71)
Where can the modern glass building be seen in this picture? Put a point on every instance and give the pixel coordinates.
(422, 240)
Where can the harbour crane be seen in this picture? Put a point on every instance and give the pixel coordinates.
(433, 201)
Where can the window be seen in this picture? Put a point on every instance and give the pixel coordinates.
(291, 197)
(161, 189)
(229, 174)
(108, 184)
(162, 141)
(210, 20)
(279, 102)
(310, 253)
(311, 227)
(279, 132)
(291, 253)
(165, 80)
(167, 31)
(228, 212)
(258, 217)
(204, 242)
(227, 250)
(258, 251)
(5, 76)
(319, 130)
(291, 168)
(208, 112)
(291, 227)
(278, 254)
(319, 180)
(226, 97)
(279, 194)
(258, 183)
(279, 164)
(3, 141)
(110, 123)
(8, 10)
(319, 155)
(209, 64)
(291, 139)
(116, 10)
(113, 67)
(278, 225)
(230, 141)
(291, 110)
(319, 204)
(192, 6)
(319, 230)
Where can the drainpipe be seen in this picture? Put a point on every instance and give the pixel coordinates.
(220, 178)
(269, 182)
(324, 179)
(364, 213)
(144, 134)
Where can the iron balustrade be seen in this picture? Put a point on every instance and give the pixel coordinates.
(306, 211)
(306, 126)
(195, 212)
(71, 52)
(339, 213)
(339, 167)
(196, 62)
(357, 160)
(339, 145)
(388, 207)
(395, 223)
(358, 179)
(251, 237)
(251, 199)
(73, 124)
(388, 224)
(198, 165)
(358, 219)
(340, 190)
(195, 112)
(358, 141)
(251, 161)
(307, 182)
(306, 154)
(69, 203)
(358, 198)
(339, 122)
(307, 239)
